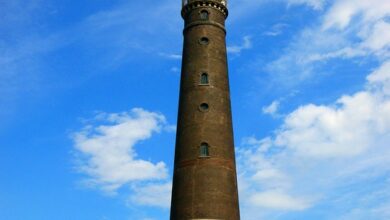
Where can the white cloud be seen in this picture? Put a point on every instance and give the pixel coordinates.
(367, 18)
(323, 153)
(171, 56)
(346, 129)
(348, 29)
(108, 156)
(243, 8)
(342, 12)
(247, 44)
(315, 4)
(153, 195)
(175, 70)
(276, 30)
(380, 79)
(279, 200)
(272, 109)
(379, 38)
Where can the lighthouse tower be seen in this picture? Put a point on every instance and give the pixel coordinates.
(205, 179)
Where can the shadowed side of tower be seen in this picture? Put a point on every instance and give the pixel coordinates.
(204, 180)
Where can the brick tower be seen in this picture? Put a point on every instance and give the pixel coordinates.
(204, 180)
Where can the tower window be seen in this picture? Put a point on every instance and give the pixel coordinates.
(204, 150)
(204, 79)
(204, 41)
(204, 107)
(204, 15)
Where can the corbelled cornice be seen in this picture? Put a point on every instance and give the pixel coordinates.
(202, 4)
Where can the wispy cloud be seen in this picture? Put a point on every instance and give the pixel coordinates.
(171, 56)
(315, 4)
(272, 109)
(276, 30)
(110, 38)
(247, 44)
(175, 69)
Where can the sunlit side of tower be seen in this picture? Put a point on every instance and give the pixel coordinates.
(204, 180)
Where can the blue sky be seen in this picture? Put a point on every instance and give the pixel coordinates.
(89, 95)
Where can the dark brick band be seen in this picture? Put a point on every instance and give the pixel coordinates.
(228, 164)
(196, 23)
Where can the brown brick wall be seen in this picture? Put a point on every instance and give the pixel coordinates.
(204, 187)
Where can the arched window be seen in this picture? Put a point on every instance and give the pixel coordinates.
(204, 15)
(204, 79)
(204, 150)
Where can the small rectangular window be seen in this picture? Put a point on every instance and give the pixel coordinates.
(204, 150)
(204, 79)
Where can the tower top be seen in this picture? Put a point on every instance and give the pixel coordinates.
(223, 2)
(188, 5)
